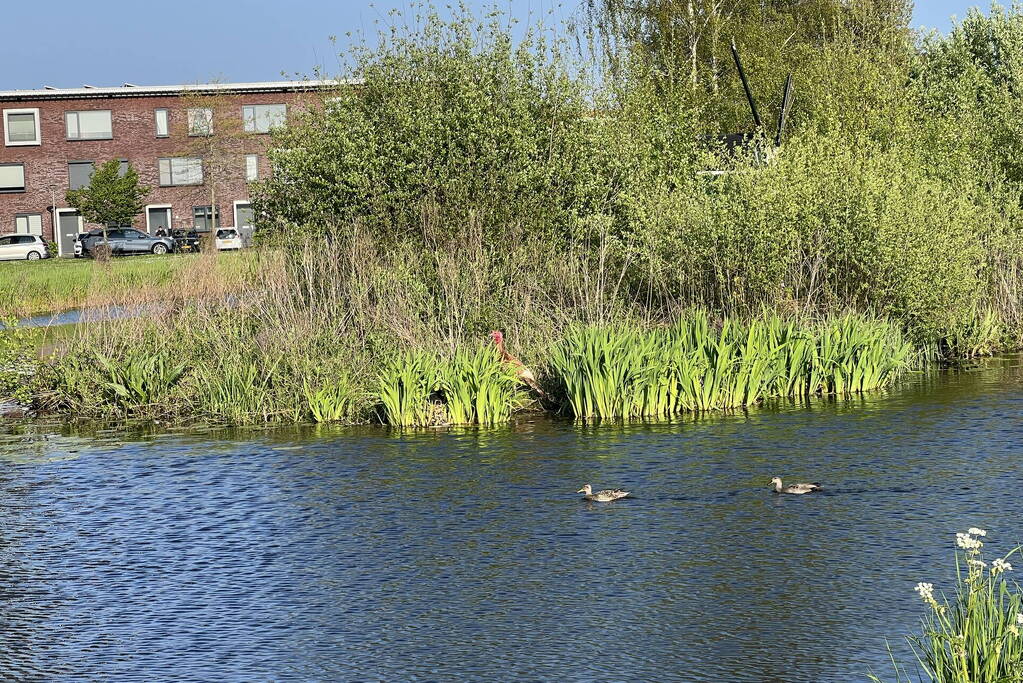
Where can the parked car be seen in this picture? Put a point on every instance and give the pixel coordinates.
(186, 240)
(20, 247)
(127, 241)
(228, 238)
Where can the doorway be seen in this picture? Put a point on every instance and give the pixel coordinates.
(69, 224)
(158, 218)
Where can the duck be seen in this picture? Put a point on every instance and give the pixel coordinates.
(605, 496)
(795, 489)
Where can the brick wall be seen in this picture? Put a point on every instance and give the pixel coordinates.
(134, 139)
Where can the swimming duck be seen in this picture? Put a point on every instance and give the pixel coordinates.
(605, 496)
(796, 489)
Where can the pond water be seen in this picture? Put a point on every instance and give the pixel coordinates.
(370, 555)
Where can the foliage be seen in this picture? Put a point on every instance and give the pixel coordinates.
(330, 402)
(19, 366)
(615, 372)
(457, 124)
(407, 384)
(974, 636)
(478, 387)
(139, 378)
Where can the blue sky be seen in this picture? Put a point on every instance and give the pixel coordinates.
(68, 43)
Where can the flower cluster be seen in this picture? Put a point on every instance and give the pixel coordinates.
(967, 541)
(926, 591)
(999, 566)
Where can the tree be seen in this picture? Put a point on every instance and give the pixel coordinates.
(110, 197)
(214, 132)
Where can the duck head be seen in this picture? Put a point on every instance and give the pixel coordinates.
(585, 489)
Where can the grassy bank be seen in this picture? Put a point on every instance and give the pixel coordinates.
(54, 285)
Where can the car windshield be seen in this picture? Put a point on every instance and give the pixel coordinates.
(226, 234)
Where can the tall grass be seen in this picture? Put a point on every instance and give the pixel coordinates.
(623, 372)
(974, 634)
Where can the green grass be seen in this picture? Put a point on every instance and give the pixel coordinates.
(37, 287)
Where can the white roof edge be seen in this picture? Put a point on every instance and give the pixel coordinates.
(142, 90)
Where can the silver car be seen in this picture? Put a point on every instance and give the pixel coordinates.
(127, 241)
(20, 247)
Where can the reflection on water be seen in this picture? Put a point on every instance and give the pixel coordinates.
(362, 554)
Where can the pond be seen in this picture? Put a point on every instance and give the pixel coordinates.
(365, 554)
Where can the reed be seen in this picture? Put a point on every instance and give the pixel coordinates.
(139, 379)
(622, 372)
(329, 402)
(478, 387)
(406, 388)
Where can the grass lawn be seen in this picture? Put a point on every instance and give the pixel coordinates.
(53, 285)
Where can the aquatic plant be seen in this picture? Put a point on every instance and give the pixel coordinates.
(330, 401)
(139, 378)
(406, 384)
(975, 635)
(623, 372)
(478, 387)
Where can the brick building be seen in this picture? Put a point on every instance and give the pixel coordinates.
(52, 139)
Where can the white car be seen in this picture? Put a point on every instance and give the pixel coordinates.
(228, 238)
(21, 247)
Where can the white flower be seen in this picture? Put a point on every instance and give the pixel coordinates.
(1019, 618)
(926, 591)
(977, 532)
(999, 566)
(967, 542)
(979, 563)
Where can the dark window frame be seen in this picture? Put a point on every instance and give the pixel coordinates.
(80, 138)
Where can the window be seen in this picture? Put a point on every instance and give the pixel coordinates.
(260, 118)
(181, 171)
(251, 167)
(201, 217)
(21, 127)
(79, 173)
(12, 177)
(28, 224)
(200, 122)
(123, 168)
(162, 123)
(89, 125)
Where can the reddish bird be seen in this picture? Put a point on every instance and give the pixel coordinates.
(521, 371)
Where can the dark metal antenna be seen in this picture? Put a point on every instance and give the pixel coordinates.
(783, 115)
(745, 86)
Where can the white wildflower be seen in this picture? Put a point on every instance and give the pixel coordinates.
(1019, 618)
(999, 566)
(926, 591)
(979, 563)
(967, 542)
(974, 531)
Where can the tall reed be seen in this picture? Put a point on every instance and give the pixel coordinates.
(478, 387)
(406, 386)
(623, 372)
